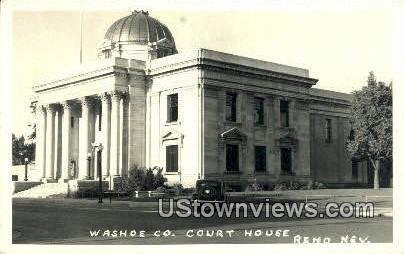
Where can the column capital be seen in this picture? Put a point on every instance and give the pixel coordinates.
(40, 108)
(116, 95)
(50, 108)
(86, 101)
(66, 105)
(104, 96)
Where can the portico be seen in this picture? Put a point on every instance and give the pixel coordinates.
(67, 130)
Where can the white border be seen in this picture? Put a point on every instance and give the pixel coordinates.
(7, 8)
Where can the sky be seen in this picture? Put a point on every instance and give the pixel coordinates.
(338, 45)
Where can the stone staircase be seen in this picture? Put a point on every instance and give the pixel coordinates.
(45, 190)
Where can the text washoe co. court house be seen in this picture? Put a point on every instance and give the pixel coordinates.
(200, 114)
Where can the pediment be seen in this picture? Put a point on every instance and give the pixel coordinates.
(172, 134)
(287, 142)
(233, 134)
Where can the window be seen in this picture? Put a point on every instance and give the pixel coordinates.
(355, 169)
(328, 131)
(259, 110)
(172, 158)
(232, 157)
(231, 107)
(260, 158)
(284, 109)
(107, 53)
(286, 160)
(172, 108)
(71, 122)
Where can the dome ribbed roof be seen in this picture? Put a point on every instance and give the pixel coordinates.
(140, 28)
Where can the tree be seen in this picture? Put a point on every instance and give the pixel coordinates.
(21, 150)
(371, 121)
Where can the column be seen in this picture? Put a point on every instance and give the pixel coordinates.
(115, 133)
(106, 132)
(292, 113)
(66, 140)
(123, 163)
(277, 124)
(277, 113)
(57, 142)
(95, 163)
(40, 139)
(50, 142)
(84, 144)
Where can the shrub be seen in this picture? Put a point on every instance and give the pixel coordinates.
(149, 180)
(159, 178)
(189, 190)
(294, 185)
(290, 185)
(318, 185)
(143, 179)
(161, 189)
(254, 187)
(177, 188)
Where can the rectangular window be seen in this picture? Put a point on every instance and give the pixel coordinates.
(260, 158)
(259, 110)
(172, 108)
(232, 158)
(71, 122)
(286, 160)
(231, 107)
(172, 158)
(284, 110)
(355, 169)
(328, 131)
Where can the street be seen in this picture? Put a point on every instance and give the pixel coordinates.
(69, 221)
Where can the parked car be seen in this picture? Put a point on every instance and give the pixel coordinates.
(209, 191)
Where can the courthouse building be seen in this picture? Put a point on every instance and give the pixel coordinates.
(200, 114)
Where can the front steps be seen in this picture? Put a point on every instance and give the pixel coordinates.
(45, 190)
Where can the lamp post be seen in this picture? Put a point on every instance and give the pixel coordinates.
(26, 169)
(89, 165)
(99, 179)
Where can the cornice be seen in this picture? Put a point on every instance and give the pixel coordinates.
(232, 69)
(329, 101)
(271, 91)
(96, 73)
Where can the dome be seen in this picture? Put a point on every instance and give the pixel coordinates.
(133, 35)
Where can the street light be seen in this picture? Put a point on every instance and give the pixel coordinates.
(100, 179)
(26, 169)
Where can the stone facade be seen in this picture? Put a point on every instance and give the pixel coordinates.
(173, 111)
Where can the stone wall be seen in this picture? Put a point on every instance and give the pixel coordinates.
(330, 163)
(256, 135)
(186, 132)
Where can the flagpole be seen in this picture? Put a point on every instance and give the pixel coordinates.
(81, 36)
